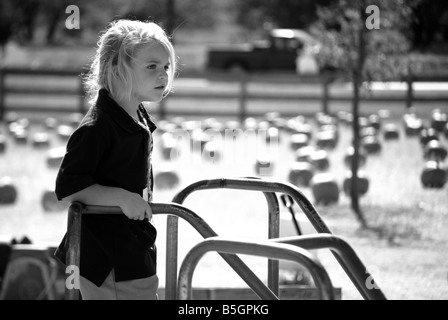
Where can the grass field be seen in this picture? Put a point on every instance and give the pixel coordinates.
(407, 254)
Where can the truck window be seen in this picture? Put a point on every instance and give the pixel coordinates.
(285, 44)
(294, 45)
(279, 44)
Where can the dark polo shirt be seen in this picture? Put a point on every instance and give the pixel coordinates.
(109, 148)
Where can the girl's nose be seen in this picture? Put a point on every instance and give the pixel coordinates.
(163, 74)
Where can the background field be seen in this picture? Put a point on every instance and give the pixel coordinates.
(408, 257)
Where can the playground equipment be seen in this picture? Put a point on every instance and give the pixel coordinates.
(178, 284)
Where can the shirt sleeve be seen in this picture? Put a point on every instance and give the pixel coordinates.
(85, 149)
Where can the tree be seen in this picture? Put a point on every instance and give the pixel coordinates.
(289, 14)
(363, 54)
(429, 24)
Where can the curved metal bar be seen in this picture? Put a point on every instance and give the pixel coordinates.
(72, 256)
(259, 248)
(363, 280)
(165, 208)
(287, 188)
(259, 185)
(173, 230)
(206, 231)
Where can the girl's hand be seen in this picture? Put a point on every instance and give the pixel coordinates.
(135, 207)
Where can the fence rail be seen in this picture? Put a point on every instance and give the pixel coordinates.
(30, 90)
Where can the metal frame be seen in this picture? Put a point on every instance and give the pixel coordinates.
(343, 253)
(77, 209)
(259, 248)
(350, 262)
(172, 235)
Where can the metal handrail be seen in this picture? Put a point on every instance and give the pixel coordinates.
(172, 239)
(308, 209)
(258, 248)
(345, 252)
(76, 209)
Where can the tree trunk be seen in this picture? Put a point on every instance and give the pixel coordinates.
(170, 17)
(355, 159)
(357, 82)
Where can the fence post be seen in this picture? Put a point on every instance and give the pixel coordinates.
(410, 92)
(2, 95)
(325, 85)
(81, 94)
(162, 113)
(243, 96)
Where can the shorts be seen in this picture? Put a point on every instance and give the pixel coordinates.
(138, 289)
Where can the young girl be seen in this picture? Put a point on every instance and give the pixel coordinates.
(108, 161)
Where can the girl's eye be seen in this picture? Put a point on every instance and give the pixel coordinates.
(152, 66)
(167, 68)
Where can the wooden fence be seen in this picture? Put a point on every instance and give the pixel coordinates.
(27, 90)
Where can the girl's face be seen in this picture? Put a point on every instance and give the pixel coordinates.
(150, 72)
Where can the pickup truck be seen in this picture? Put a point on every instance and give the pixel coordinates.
(283, 50)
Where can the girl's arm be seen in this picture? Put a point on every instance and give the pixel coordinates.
(132, 204)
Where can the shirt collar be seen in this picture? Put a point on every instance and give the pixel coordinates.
(118, 114)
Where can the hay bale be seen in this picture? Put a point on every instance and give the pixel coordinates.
(391, 131)
(54, 157)
(435, 150)
(371, 145)
(433, 175)
(169, 148)
(301, 173)
(64, 131)
(368, 131)
(298, 140)
(299, 125)
(439, 120)
(374, 121)
(166, 178)
(74, 119)
(250, 123)
(40, 140)
(272, 136)
(264, 165)
(50, 123)
(326, 139)
(320, 160)
(50, 202)
(3, 143)
(412, 125)
(343, 117)
(325, 189)
(8, 191)
(428, 134)
(362, 183)
(21, 136)
(304, 153)
(349, 156)
(271, 116)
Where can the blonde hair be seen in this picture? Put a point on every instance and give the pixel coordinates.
(117, 46)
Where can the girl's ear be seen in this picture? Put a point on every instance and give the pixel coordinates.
(115, 71)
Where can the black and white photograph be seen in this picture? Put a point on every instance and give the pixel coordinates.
(217, 154)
